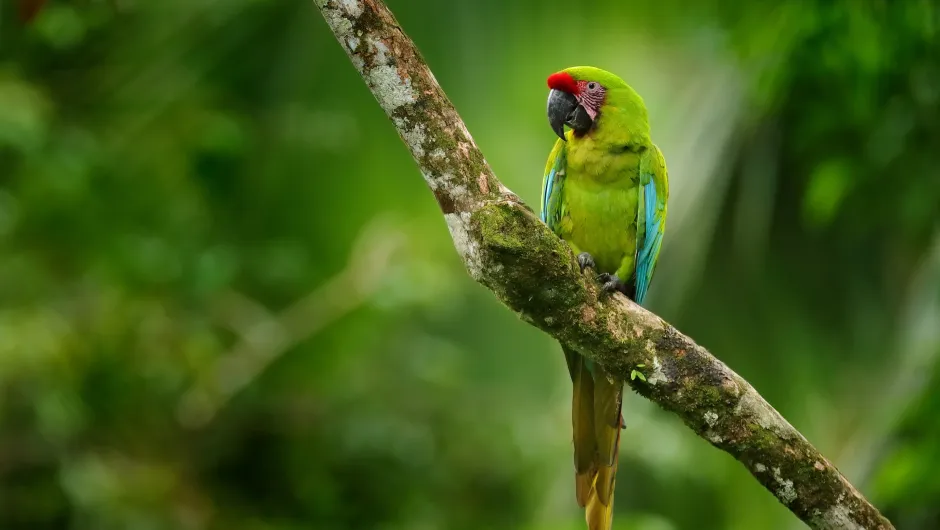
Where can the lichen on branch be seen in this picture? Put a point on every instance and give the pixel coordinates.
(509, 250)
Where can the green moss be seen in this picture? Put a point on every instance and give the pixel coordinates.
(500, 230)
(537, 278)
(761, 440)
(704, 398)
(446, 142)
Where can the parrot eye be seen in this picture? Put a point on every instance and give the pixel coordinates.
(592, 86)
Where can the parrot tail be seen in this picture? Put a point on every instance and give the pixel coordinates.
(596, 422)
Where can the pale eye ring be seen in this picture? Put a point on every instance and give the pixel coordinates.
(592, 85)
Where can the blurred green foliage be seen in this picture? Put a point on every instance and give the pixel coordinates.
(176, 175)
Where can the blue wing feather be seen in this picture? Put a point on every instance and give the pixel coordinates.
(654, 192)
(547, 191)
(652, 241)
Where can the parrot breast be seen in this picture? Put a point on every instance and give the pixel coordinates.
(600, 202)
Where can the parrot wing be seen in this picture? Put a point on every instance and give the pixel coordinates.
(651, 218)
(553, 184)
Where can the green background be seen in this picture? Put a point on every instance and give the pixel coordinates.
(228, 301)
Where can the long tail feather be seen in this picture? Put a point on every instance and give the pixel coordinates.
(596, 423)
(582, 422)
(597, 515)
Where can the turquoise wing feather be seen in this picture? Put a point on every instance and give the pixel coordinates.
(651, 218)
(553, 184)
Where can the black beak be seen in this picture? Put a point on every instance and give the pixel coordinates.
(564, 109)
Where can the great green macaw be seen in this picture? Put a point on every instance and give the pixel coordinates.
(604, 191)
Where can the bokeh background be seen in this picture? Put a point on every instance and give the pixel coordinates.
(227, 300)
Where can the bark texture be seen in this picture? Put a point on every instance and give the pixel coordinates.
(509, 250)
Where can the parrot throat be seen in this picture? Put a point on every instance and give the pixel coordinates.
(585, 132)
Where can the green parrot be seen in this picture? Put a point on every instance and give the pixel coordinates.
(604, 192)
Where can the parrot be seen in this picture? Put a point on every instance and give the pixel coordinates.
(604, 192)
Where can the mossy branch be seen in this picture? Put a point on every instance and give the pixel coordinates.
(506, 248)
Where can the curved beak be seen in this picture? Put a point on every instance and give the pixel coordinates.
(564, 109)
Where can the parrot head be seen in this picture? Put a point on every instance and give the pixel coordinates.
(577, 96)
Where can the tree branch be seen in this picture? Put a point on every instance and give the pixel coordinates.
(506, 248)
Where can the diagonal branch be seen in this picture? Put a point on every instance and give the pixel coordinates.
(506, 248)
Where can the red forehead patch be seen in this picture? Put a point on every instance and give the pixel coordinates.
(564, 82)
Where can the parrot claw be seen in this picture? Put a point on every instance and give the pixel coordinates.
(612, 283)
(585, 261)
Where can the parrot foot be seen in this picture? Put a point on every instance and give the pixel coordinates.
(611, 283)
(585, 261)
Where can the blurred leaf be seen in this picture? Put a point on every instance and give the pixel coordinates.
(828, 186)
(61, 25)
(24, 120)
